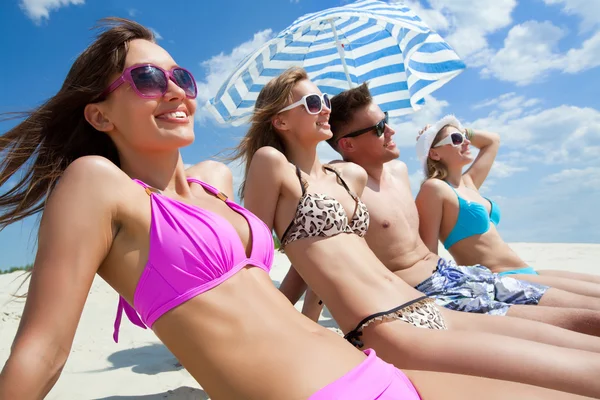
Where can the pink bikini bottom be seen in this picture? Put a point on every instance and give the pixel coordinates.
(373, 379)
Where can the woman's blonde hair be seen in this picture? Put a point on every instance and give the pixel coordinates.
(274, 96)
(436, 168)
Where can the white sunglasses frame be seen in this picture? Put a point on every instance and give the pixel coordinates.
(302, 101)
(448, 140)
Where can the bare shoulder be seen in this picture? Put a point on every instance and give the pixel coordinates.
(270, 164)
(212, 172)
(91, 183)
(354, 174)
(268, 155)
(396, 167)
(433, 187)
(89, 175)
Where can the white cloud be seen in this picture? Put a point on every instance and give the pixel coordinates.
(407, 128)
(157, 35)
(416, 179)
(37, 10)
(531, 52)
(432, 17)
(508, 101)
(563, 134)
(219, 68)
(465, 23)
(574, 179)
(132, 12)
(504, 169)
(587, 10)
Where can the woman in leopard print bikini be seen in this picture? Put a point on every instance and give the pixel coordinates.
(285, 181)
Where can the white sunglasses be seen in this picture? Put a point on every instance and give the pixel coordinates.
(455, 139)
(312, 102)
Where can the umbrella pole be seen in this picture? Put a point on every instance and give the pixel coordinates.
(341, 53)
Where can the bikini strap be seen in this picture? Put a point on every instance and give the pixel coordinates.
(149, 189)
(341, 180)
(132, 315)
(303, 186)
(452, 187)
(209, 188)
(303, 182)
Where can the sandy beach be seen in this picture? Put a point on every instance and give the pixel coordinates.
(140, 367)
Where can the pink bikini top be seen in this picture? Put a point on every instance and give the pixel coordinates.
(192, 250)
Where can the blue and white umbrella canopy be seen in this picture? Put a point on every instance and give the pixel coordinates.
(387, 45)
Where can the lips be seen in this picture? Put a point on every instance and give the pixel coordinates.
(323, 124)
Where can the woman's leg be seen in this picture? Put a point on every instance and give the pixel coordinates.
(578, 320)
(570, 275)
(437, 385)
(570, 285)
(520, 328)
(559, 298)
(484, 354)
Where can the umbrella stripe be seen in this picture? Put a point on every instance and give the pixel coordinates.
(387, 45)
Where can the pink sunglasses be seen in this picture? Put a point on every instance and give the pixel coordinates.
(151, 82)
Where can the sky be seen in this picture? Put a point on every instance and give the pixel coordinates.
(532, 76)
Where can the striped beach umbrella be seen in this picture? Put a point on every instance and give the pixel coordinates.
(387, 45)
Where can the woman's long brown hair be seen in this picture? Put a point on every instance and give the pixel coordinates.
(39, 149)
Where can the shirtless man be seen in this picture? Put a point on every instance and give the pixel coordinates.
(393, 233)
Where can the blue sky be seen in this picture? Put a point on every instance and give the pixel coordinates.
(532, 75)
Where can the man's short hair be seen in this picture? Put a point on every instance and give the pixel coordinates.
(343, 107)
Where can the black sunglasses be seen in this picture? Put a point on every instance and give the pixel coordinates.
(379, 129)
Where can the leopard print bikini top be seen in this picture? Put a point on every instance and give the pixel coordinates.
(322, 215)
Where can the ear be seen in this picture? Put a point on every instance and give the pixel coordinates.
(279, 123)
(95, 116)
(434, 155)
(347, 145)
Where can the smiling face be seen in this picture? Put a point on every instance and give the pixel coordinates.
(368, 147)
(159, 124)
(449, 154)
(297, 124)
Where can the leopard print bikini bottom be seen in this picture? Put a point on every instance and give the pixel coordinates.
(420, 312)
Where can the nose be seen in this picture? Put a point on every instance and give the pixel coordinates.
(174, 92)
(389, 132)
(325, 110)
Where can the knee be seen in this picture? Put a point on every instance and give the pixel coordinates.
(587, 321)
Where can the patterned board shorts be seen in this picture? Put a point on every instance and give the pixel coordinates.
(477, 289)
(421, 313)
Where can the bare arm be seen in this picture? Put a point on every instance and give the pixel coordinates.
(264, 183)
(293, 286)
(488, 144)
(263, 189)
(75, 235)
(429, 203)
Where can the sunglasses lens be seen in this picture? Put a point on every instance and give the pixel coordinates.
(313, 104)
(327, 101)
(149, 81)
(185, 80)
(380, 127)
(457, 139)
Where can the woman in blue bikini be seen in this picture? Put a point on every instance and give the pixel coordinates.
(452, 210)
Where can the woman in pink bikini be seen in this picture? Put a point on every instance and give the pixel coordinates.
(102, 162)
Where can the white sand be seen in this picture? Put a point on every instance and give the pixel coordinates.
(140, 367)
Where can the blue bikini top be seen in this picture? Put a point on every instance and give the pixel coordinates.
(473, 219)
